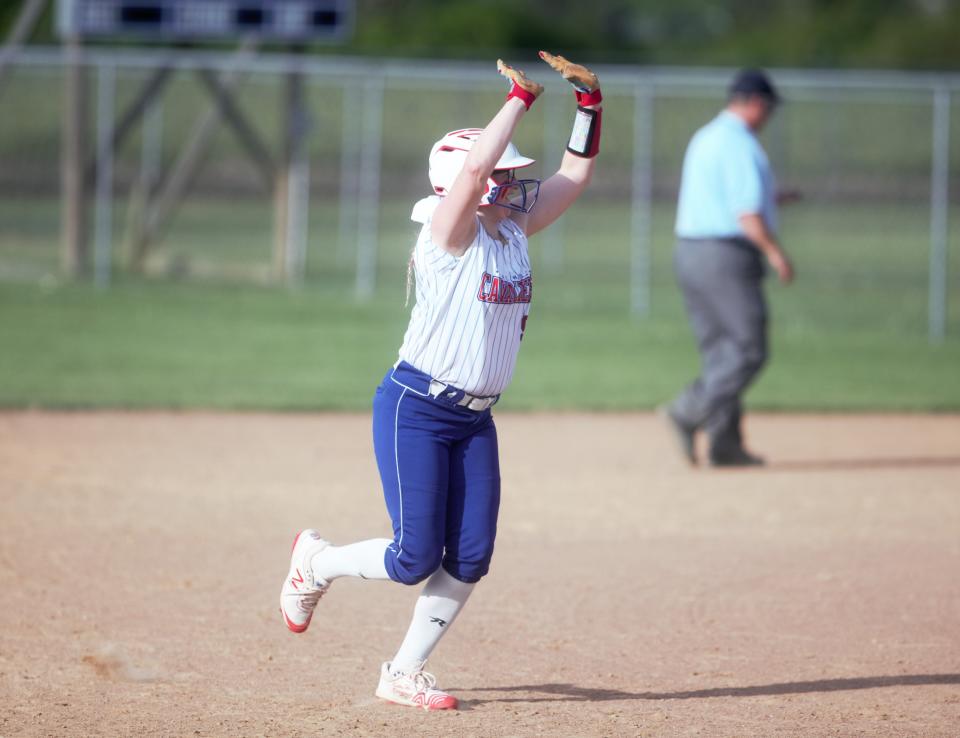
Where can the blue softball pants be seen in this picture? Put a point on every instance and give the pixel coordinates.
(440, 469)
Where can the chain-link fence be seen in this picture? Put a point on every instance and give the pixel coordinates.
(303, 171)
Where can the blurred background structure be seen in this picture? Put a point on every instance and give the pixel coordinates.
(141, 153)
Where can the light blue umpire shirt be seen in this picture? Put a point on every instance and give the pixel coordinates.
(726, 174)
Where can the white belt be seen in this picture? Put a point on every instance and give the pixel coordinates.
(471, 402)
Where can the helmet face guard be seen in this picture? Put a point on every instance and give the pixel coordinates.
(517, 194)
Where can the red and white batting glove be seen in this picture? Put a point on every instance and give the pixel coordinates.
(585, 137)
(586, 85)
(523, 89)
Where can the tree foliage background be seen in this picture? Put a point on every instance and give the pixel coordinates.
(909, 34)
(894, 34)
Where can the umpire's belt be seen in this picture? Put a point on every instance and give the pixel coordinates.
(451, 394)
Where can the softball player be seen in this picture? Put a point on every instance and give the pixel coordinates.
(433, 432)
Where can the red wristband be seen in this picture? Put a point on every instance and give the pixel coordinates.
(588, 98)
(522, 95)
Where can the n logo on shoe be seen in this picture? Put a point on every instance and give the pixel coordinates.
(298, 578)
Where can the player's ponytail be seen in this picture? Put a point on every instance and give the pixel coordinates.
(406, 301)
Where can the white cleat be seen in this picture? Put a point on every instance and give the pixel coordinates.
(416, 689)
(301, 590)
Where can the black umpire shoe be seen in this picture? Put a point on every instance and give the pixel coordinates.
(735, 457)
(682, 433)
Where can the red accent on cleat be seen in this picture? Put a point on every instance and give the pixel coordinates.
(301, 590)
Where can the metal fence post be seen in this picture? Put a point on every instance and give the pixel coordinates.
(103, 213)
(368, 200)
(298, 180)
(73, 248)
(939, 204)
(350, 148)
(641, 213)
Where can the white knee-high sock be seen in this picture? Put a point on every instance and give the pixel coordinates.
(436, 608)
(363, 559)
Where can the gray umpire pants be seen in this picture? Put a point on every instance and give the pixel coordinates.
(721, 280)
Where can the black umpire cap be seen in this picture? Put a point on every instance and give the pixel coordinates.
(750, 82)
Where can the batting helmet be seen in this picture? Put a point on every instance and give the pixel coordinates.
(448, 155)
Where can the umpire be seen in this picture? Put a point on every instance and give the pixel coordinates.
(726, 221)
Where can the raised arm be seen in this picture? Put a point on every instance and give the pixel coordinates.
(454, 224)
(562, 189)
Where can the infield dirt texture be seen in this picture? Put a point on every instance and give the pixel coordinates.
(142, 555)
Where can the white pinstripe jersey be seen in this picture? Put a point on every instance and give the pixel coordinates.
(466, 325)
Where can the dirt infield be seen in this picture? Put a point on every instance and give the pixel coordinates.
(142, 554)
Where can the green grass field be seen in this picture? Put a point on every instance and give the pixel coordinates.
(169, 345)
(849, 335)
